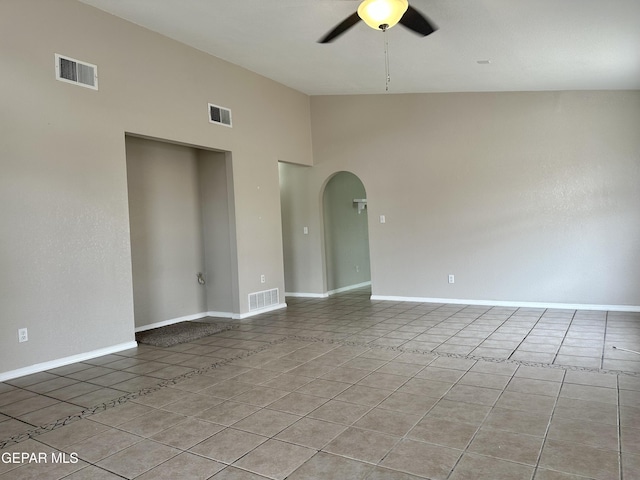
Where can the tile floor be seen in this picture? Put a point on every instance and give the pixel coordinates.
(345, 388)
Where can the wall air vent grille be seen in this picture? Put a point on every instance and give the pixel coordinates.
(219, 115)
(74, 71)
(260, 300)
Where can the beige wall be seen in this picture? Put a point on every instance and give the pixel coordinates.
(216, 197)
(525, 197)
(65, 261)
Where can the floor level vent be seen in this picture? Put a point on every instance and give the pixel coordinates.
(260, 300)
(219, 115)
(74, 71)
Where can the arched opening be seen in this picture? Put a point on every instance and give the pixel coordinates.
(346, 234)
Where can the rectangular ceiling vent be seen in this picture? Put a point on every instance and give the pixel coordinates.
(219, 115)
(260, 300)
(74, 71)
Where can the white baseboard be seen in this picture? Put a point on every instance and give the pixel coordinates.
(186, 318)
(240, 316)
(500, 303)
(61, 362)
(306, 295)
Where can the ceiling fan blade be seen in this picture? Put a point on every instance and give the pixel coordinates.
(414, 20)
(341, 28)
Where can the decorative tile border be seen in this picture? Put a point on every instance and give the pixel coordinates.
(15, 439)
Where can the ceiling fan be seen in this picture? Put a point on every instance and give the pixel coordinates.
(382, 15)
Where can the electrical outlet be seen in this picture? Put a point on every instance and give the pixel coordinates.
(22, 335)
(357, 269)
(452, 279)
(263, 278)
(305, 230)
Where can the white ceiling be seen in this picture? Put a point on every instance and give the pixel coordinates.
(532, 44)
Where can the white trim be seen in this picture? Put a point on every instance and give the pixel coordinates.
(349, 287)
(61, 362)
(306, 295)
(240, 316)
(186, 318)
(219, 314)
(499, 303)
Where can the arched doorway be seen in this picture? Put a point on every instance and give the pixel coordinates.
(346, 233)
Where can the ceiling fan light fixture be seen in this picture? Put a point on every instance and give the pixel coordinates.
(376, 13)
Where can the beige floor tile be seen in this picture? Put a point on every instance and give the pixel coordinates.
(153, 422)
(544, 474)
(260, 396)
(233, 473)
(426, 387)
(96, 397)
(515, 447)
(422, 459)
(103, 444)
(186, 434)
(339, 412)
(486, 380)
(473, 394)
(325, 466)
(515, 421)
(297, 403)
(120, 414)
(590, 393)
(443, 432)
(185, 465)
(138, 458)
(228, 445)
(92, 472)
(363, 445)
(227, 413)
(311, 433)
(275, 459)
(459, 412)
(476, 467)
(383, 381)
(534, 386)
(323, 388)
(72, 433)
(27, 405)
(192, 404)
(630, 465)
(408, 403)
(50, 414)
(388, 421)
(266, 422)
(580, 460)
(580, 431)
(526, 402)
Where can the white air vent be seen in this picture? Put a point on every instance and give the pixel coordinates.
(219, 115)
(74, 71)
(260, 300)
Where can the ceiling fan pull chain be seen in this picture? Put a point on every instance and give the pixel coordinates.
(386, 60)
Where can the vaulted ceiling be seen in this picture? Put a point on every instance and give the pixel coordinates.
(481, 45)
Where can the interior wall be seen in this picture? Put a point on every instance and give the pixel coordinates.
(345, 232)
(65, 262)
(524, 197)
(218, 232)
(165, 213)
(303, 272)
